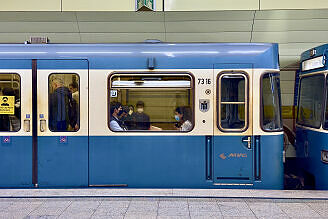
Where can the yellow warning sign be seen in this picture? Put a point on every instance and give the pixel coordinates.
(7, 105)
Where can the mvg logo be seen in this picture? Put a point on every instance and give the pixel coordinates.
(232, 155)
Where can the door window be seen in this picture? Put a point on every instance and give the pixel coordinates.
(64, 99)
(271, 103)
(232, 102)
(10, 104)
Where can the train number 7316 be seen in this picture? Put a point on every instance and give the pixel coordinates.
(204, 81)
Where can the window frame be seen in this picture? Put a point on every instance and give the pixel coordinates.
(299, 98)
(245, 75)
(158, 73)
(20, 96)
(325, 102)
(261, 104)
(79, 113)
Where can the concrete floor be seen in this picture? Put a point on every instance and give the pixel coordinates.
(161, 208)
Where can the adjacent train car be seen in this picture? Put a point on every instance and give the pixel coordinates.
(148, 115)
(312, 116)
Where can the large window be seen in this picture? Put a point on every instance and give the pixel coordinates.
(151, 102)
(232, 102)
(310, 106)
(271, 103)
(64, 107)
(10, 104)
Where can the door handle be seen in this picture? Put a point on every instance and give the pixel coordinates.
(249, 142)
(42, 125)
(27, 125)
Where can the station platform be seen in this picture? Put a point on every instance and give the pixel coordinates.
(173, 193)
(96, 203)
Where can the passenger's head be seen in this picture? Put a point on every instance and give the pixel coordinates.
(131, 109)
(178, 113)
(182, 113)
(73, 87)
(140, 106)
(57, 82)
(125, 111)
(116, 109)
(8, 91)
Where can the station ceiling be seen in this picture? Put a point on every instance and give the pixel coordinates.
(294, 30)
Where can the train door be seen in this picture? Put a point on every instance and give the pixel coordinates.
(233, 150)
(15, 125)
(62, 123)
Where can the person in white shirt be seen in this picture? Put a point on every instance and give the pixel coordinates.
(183, 117)
(115, 123)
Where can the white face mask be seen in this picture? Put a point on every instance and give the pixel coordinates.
(130, 112)
(140, 110)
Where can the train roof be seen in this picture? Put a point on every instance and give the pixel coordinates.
(314, 59)
(165, 55)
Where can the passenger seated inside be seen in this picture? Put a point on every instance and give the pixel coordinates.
(123, 117)
(183, 117)
(141, 119)
(116, 110)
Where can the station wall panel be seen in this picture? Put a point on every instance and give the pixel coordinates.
(31, 5)
(293, 4)
(210, 5)
(103, 5)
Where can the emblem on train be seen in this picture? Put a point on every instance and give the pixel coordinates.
(204, 105)
(223, 156)
(232, 155)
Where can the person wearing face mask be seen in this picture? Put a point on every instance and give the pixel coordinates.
(183, 117)
(115, 123)
(141, 119)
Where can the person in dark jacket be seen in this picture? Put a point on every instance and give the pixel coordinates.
(61, 109)
(141, 119)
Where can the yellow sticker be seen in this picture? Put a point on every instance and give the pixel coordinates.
(7, 105)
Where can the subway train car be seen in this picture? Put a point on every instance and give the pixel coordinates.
(148, 115)
(312, 116)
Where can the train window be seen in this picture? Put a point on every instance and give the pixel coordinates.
(271, 103)
(151, 102)
(10, 104)
(64, 99)
(311, 101)
(232, 102)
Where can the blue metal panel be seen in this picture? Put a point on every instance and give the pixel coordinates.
(148, 161)
(233, 66)
(15, 64)
(63, 164)
(232, 154)
(166, 56)
(309, 144)
(271, 158)
(172, 161)
(63, 64)
(16, 161)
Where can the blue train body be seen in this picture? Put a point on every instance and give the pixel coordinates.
(311, 141)
(155, 160)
